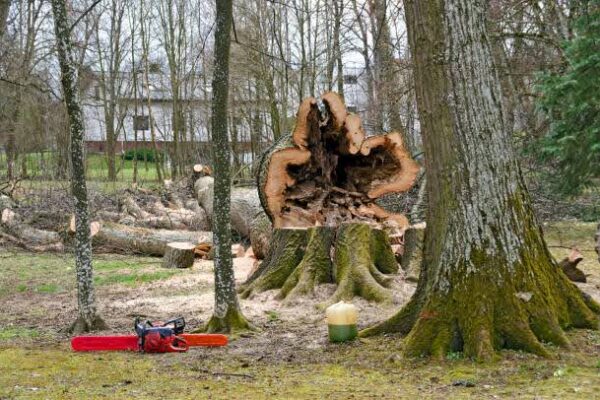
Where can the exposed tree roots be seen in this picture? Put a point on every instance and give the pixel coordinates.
(300, 259)
(233, 321)
(82, 325)
(483, 313)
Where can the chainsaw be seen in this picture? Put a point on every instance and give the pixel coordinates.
(150, 337)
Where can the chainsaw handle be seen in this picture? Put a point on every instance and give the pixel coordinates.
(178, 345)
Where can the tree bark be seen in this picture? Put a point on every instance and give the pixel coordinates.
(227, 315)
(179, 255)
(88, 318)
(128, 239)
(488, 280)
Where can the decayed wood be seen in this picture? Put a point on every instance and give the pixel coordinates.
(121, 238)
(327, 173)
(569, 266)
(179, 255)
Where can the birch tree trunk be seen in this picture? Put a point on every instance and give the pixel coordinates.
(88, 318)
(488, 280)
(227, 314)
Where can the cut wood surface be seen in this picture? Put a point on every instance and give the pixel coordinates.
(327, 173)
(179, 255)
(119, 238)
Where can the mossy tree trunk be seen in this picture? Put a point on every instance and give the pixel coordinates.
(227, 315)
(88, 318)
(354, 256)
(488, 280)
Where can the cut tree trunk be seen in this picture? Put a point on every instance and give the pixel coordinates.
(318, 186)
(126, 239)
(179, 255)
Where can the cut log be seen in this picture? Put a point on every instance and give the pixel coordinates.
(202, 250)
(179, 255)
(28, 236)
(132, 240)
(245, 205)
(261, 233)
(131, 207)
(319, 187)
(569, 266)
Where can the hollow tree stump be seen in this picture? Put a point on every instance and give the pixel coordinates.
(179, 255)
(318, 186)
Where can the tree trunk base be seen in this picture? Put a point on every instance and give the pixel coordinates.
(479, 315)
(233, 321)
(81, 325)
(301, 259)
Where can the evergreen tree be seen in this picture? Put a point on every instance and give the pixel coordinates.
(571, 100)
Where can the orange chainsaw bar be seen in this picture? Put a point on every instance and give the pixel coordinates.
(130, 342)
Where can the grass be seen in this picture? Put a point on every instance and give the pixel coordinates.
(36, 363)
(22, 272)
(133, 279)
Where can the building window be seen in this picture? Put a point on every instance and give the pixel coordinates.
(350, 79)
(97, 92)
(141, 123)
(351, 109)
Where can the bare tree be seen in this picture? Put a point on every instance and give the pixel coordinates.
(227, 315)
(88, 318)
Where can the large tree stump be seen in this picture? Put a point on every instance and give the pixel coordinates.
(318, 186)
(179, 255)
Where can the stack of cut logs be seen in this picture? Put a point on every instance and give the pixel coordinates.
(174, 224)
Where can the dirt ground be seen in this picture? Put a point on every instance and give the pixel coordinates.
(287, 356)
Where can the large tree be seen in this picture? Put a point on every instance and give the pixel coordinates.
(227, 315)
(88, 318)
(488, 280)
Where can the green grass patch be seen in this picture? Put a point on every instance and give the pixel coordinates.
(17, 332)
(47, 288)
(133, 278)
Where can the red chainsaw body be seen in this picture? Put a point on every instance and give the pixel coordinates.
(130, 342)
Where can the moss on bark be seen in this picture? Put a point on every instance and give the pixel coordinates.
(354, 265)
(81, 325)
(285, 253)
(315, 267)
(381, 252)
(300, 259)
